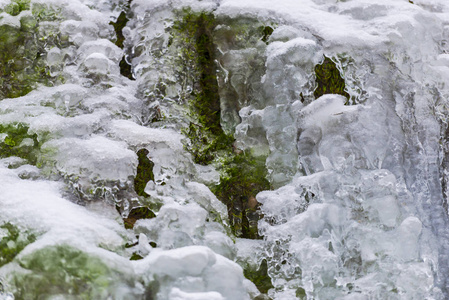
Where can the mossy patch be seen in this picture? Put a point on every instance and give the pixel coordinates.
(17, 6)
(126, 69)
(135, 256)
(205, 146)
(301, 293)
(14, 242)
(242, 32)
(63, 270)
(266, 33)
(144, 172)
(16, 141)
(22, 50)
(243, 177)
(194, 32)
(46, 12)
(119, 24)
(329, 80)
(138, 213)
(259, 277)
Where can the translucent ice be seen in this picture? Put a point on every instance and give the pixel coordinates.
(358, 205)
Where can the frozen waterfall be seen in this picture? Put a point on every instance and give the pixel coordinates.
(224, 149)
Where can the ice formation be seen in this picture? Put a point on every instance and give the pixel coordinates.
(350, 196)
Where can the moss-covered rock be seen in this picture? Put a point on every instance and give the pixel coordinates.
(329, 80)
(259, 276)
(243, 177)
(266, 31)
(16, 141)
(194, 32)
(13, 242)
(64, 271)
(17, 6)
(144, 172)
(138, 213)
(23, 47)
(119, 24)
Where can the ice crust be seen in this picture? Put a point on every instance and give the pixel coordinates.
(358, 208)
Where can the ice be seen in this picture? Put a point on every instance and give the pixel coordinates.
(41, 208)
(97, 63)
(358, 205)
(8, 20)
(139, 136)
(96, 157)
(221, 278)
(177, 294)
(190, 261)
(220, 243)
(102, 46)
(54, 56)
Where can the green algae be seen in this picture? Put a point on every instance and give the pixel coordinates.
(329, 80)
(13, 243)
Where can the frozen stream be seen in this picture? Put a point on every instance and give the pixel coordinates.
(224, 149)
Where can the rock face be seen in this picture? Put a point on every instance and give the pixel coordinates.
(224, 149)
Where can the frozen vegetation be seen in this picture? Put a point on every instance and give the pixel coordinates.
(224, 149)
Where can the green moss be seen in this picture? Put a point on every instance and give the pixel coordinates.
(16, 141)
(22, 50)
(63, 270)
(45, 12)
(13, 243)
(125, 69)
(329, 80)
(135, 256)
(138, 213)
(244, 176)
(301, 293)
(194, 32)
(144, 172)
(17, 6)
(266, 33)
(119, 24)
(204, 145)
(259, 277)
